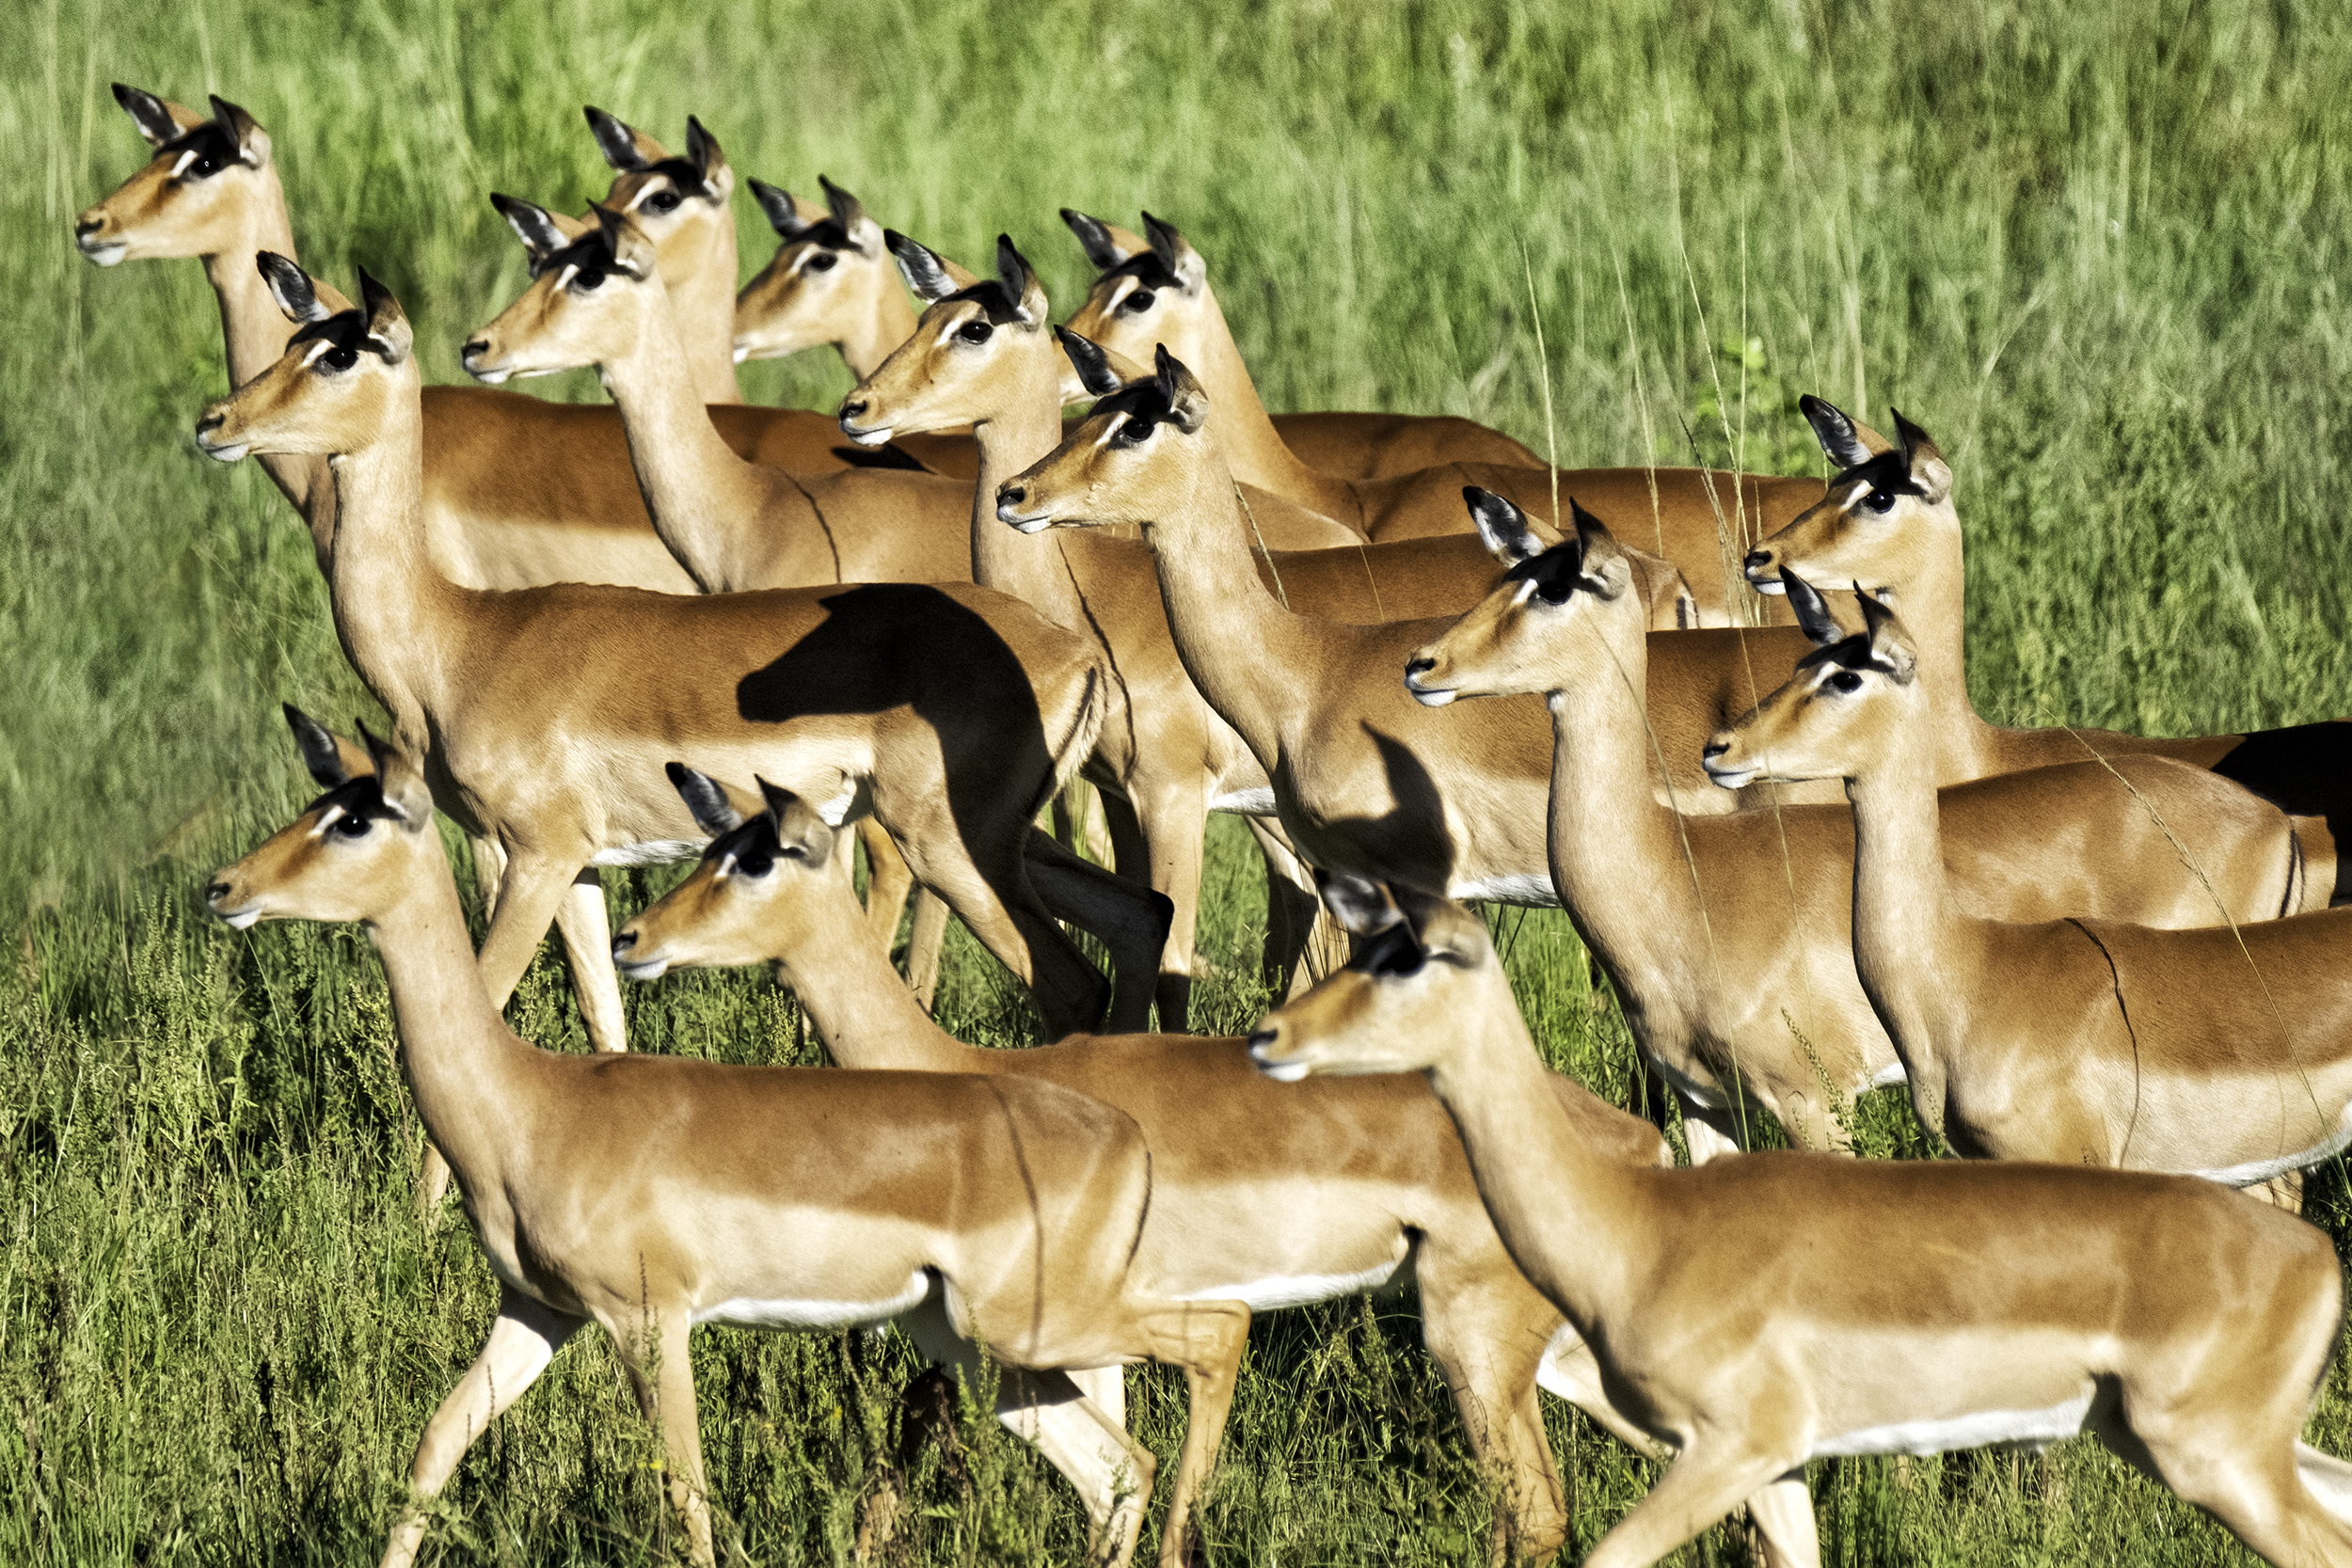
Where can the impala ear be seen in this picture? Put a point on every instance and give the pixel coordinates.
(1605, 573)
(238, 126)
(633, 254)
(1843, 442)
(1093, 364)
(1097, 239)
(388, 325)
(1176, 254)
(1019, 282)
(926, 271)
(1890, 645)
(329, 757)
(292, 288)
(535, 225)
(1501, 526)
(616, 141)
(801, 830)
(781, 212)
(1929, 470)
(405, 796)
(704, 797)
(157, 121)
(1813, 617)
(1187, 405)
(1360, 904)
(850, 213)
(704, 153)
(1444, 929)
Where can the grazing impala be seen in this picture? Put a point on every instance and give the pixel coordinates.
(1889, 524)
(649, 1194)
(1274, 1197)
(948, 712)
(1696, 518)
(2223, 1053)
(1760, 1312)
(1725, 937)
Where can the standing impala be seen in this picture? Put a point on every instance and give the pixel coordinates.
(1889, 524)
(649, 1194)
(1698, 520)
(1725, 937)
(948, 712)
(2223, 1053)
(1762, 1312)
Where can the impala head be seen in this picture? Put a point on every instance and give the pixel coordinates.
(1150, 292)
(344, 373)
(830, 272)
(680, 204)
(978, 347)
(1887, 513)
(591, 294)
(198, 197)
(764, 877)
(1537, 630)
(351, 852)
(1138, 455)
(1849, 706)
(1397, 1006)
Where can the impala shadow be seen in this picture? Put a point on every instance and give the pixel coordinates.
(2302, 770)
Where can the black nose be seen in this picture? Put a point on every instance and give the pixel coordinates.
(210, 421)
(1010, 495)
(1716, 749)
(1420, 667)
(89, 226)
(1758, 560)
(474, 350)
(1261, 1036)
(622, 943)
(852, 407)
(216, 893)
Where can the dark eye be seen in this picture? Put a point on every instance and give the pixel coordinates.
(1401, 958)
(340, 360)
(1554, 590)
(1845, 681)
(204, 168)
(1138, 302)
(352, 827)
(663, 201)
(1136, 431)
(585, 280)
(821, 262)
(1879, 500)
(757, 863)
(976, 332)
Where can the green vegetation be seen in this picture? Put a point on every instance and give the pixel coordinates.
(2099, 250)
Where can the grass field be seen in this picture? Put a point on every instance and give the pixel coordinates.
(2099, 250)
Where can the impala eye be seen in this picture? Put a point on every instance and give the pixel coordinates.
(1402, 958)
(822, 262)
(1138, 302)
(1136, 431)
(663, 201)
(1845, 681)
(1881, 502)
(204, 168)
(976, 332)
(352, 827)
(758, 863)
(340, 360)
(585, 279)
(1554, 591)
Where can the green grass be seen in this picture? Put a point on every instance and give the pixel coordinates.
(2098, 250)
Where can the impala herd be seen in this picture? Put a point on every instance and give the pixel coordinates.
(684, 628)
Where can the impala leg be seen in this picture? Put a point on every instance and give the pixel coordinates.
(665, 1377)
(1132, 920)
(1164, 836)
(523, 1339)
(1698, 1489)
(587, 931)
(924, 937)
(490, 864)
(1489, 1334)
(1302, 942)
(887, 883)
(2234, 1465)
(1783, 1515)
(1107, 1388)
(1206, 1339)
(1111, 1472)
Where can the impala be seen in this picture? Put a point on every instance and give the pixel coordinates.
(2224, 1052)
(1760, 1312)
(947, 712)
(986, 356)
(648, 1193)
(1696, 518)
(1888, 523)
(1725, 937)
(1275, 1198)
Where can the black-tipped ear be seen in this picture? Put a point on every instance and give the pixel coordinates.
(925, 272)
(616, 141)
(1175, 253)
(532, 225)
(1602, 569)
(1093, 365)
(783, 215)
(252, 141)
(632, 253)
(1360, 904)
(714, 813)
(321, 754)
(800, 829)
(1841, 443)
(1502, 527)
(704, 153)
(1094, 239)
(1813, 617)
(1924, 460)
(149, 113)
(1187, 405)
(405, 796)
(1890, 649)
(388, 325)
(380, 751)
(1012, 271)
(846, 209)
(290, 287)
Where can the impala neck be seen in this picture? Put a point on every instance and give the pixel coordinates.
(870, 339)
(1539, 1180)
(465, 1067)
(255, 332)
(864, 1012)
(1935, 607)
(1024, 425)
(395, 612)
(1904, 929)
(708, 504)
(702, 294)
(1253, 448)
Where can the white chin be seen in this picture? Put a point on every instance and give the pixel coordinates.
(1025, 524)
(1431, 699)
(106, 255)
(1772, 589)
(227, 454)
(490, 378)
(1731, 781)
(242, 920)
(653, 971)
(742, 354)
(1283, 1073)
(870, 437)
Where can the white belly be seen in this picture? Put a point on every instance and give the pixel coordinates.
(1518, 887)
(747, 1312)
(661, 851)
(1245, 803)
(1983, 1429)
(2264, 1170)
(1281, 1291)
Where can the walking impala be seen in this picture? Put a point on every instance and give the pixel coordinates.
(948, 712)
(2224, 1052)
(1725, 937)
(648, 1193)
(1858, 1307)
(1270, 1196)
